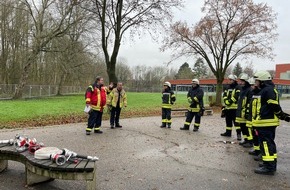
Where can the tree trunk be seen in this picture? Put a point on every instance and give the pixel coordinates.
(22, 82)
(24, 76)
(111, 68)
(62, 79)
(219, 90)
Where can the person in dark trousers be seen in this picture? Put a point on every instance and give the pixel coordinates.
(196, 107)
(230, 98)
(168, 99)
(117, 99)
(96, 100)
(243, 104)
(265, 118)
(256, 145)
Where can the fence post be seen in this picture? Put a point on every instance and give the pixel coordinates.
(30, 87)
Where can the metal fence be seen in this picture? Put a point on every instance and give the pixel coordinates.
(31, 91)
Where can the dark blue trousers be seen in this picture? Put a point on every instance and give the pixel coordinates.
(95, 119)
(268, 146)
(115, 116)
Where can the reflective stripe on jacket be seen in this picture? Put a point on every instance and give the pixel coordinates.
(96, 97)
(195, 98)
(262, 113)
(168, 98)
(231, 96)
(243, 104)
(114, 97)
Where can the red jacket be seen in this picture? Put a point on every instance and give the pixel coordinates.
(96, 97)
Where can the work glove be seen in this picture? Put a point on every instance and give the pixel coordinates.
(283, 116)
(228, 102)
(189, 100)
(223, 113)
(201, 111)
(193, 105)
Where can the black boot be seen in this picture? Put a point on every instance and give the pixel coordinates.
(169, 125)
(119, 126)
(264, 171)
(185, 127)
(239, 137)
(226, 134)
(112, 127)
(98, 131)
(195, 128)
(261, 164)
(249, 144)
(258, 157)
(254, 152)
(163, 125)
(242, 143)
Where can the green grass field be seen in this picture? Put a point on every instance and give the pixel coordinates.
(66, 109)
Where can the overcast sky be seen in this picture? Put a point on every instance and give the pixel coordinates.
(146, 52)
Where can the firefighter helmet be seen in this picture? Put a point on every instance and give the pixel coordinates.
(232, 77)
(196, 81)
(263, 76)
(244, 76)
(167, 84)
(251, 81)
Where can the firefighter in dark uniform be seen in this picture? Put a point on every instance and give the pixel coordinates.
(230, 98)
(96, 99)
(256, 145)
(168, 98)
(196, 107)
(243, 105)
(266, 112)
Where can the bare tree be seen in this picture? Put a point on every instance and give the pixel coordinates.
(50, 19)
(123, 72)
(249, 69)
(13, 38)
(229, 29)
(119, 16)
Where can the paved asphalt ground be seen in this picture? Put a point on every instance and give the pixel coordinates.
(142, 156)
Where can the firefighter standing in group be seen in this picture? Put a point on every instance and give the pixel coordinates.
(96, 99)
(230, 98)
(196, 107)
(117, 99)
(256, 146)
(266, 112)
(243, 105)
(168, 99)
